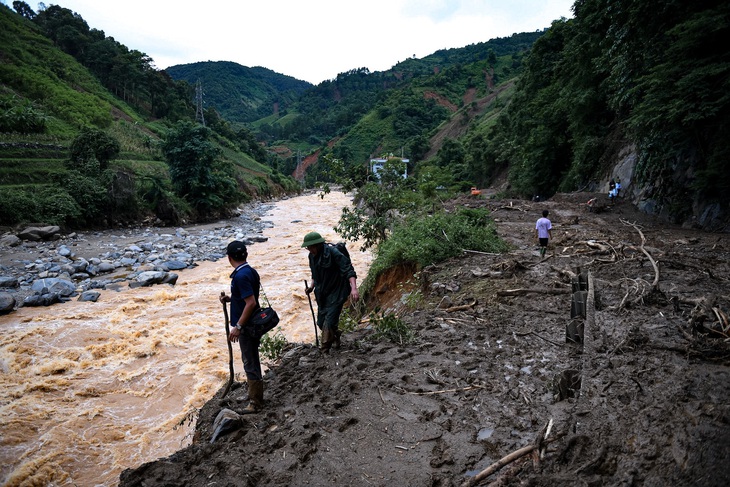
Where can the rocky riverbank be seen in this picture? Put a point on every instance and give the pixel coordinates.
(41, 266)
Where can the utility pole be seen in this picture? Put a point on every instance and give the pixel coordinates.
(199, 117)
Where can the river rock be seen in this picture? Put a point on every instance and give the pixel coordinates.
(54, 285)
(225, 422)
(92, 296)
(150, 278)
(8, 281)
(7, 303)
(10, 241)
(105, 267)
(42, 299)
(64, 251)
(173, 265)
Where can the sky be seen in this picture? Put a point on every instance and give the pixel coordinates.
(311, 40)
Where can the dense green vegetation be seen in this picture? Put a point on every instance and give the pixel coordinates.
(654, 74)
(92, 135)
(552, 110)
(239, 93)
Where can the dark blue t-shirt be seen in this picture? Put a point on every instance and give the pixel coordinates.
(245, 282)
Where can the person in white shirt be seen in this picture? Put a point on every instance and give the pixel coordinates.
(543, 232)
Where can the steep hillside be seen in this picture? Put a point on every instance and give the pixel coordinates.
(46, 92)
(239, 93)
(56, 114)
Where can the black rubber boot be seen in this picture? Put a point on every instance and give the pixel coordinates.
(255, 396)
(337, 343)
(328, 339)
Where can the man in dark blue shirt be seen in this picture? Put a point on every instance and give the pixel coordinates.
(244, 299)
(333, 281)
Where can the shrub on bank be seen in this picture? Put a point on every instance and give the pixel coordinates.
(424, 239)
(48, 204)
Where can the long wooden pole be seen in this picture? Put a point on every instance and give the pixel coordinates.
(316, 335)
(230, 349)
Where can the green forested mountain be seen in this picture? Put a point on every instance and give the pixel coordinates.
(628, 80)
(239, 93)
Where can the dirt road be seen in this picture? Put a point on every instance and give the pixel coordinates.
(498, 366)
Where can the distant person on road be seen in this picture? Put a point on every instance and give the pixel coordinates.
(244, 299)
(543, 231)
(618, 187)
(333, 281)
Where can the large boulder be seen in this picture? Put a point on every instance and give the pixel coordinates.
(7, 303)
(150, 278)
(36, 234)
(42, 300)
(63, 287)
(174, 265)
(105, 267)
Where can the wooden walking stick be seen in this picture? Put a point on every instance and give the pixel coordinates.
(230, 349)
(316, 336)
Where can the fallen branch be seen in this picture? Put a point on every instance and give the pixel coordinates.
(549, 341)
(570, 275)
(478, 252)
(510, 207)
(445, 391)
(523, 291)
(461, 307)
(537, 445)
(648, 255)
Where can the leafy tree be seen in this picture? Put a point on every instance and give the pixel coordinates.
(24, 9)
(419, 147)
(451, 153)
(91, 194)
(194, 171)
(381, 204)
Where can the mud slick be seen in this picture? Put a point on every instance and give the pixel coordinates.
(605, 363)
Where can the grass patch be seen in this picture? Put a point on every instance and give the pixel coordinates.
(390, 327)
(272, 345)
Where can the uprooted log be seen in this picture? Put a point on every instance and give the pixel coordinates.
(641, 288)
(645, 252)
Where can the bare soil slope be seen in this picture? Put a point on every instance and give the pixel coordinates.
(642, 401)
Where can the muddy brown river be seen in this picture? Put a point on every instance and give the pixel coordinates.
(89, 389)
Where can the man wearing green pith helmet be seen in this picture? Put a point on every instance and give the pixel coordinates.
(333, 281)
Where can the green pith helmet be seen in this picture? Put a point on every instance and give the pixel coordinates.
(312, 238)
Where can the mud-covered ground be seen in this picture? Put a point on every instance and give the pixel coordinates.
(490, 374)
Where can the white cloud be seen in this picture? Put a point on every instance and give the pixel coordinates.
(311, 40)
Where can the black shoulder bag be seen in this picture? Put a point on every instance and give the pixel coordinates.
(262, 321)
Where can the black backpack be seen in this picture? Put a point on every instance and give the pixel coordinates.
(343, 250)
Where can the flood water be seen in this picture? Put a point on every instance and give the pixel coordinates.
(89, 389)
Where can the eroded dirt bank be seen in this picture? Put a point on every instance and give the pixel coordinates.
(643, 401)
